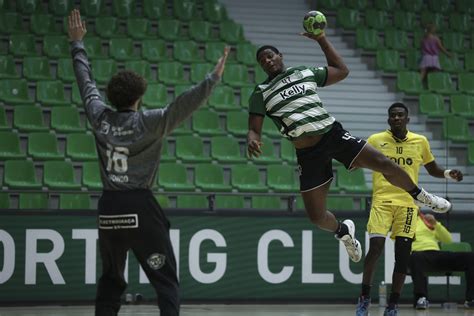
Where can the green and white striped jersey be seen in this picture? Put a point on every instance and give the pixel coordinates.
(292, 102)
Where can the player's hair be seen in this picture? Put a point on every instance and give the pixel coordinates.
(262, 48)
(398, 105)
(125, 88)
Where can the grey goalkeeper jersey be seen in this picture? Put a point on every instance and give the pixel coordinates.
(128, 142)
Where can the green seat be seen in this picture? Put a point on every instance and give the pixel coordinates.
(20, 174)
(70, 201)
(450, 64)
(440, 82)
(59, 175)
(10, 146)
(166, 155)
(386, 5)
(139, 28)
(347, 18)
(453, 41)
(183, 129)
(330, 4)
(206, 123)
(155, 96)
(464, 6)
(351, 181)
(123, 8)
(11, 23)
(169, 29)
(413, 57)
(29, 119)
(246, 178)
(14, 91)
(469, 61)
(245, 93)
(428, 17)
(56, 46)
(199, 72)
(237, 123)
(432, 105)
(269, 152)
(190, 149)
(154, 9)
(376, 19)
(338, 203)
(440, 6)
(411, 5)
(91, 175)
(171, 73)
(4, 200)
(187, 52)
(103, 69)
(236, 75)
(282, 178)
(173, 177)
(65, 70)
(81, 147)
(43, 146)
(121, 49)
(36, 68)
(8, 68)
(92, 8)
(107, 27)
(3, 120)
(43, 24)
(210, 178)
(460, 22)
(231, 32)
(66, 120)
(470, 153)
(37, 201)
(200, 31)
(192, 201)
(163, 200)
(154, 50)
(226, 149)
(141, 67)
(463, 105)
(21, 45)
(51, 93)
(388, 60)
(396, 39)
(184, 10)
(229, 202)
(28, 6)
(213, 51)
(246, 54)
(367, 39)
(93, 46)
(288, 152)
(405, 21)
(223, 99)
(466, 83)
(76, 95)
(409, 82)
(269, 129)
(214, 11)
(456, 128)
(418, 36)
(61, 7)
(356, 4)
(261, 202)
(458, 246)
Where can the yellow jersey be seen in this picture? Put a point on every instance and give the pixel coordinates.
(409, 153)
(427, 239)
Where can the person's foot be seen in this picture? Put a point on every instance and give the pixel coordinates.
(422, 303)
(391, 311)
(469, 304)
(352, 245)
(363, 305)
(436, 203)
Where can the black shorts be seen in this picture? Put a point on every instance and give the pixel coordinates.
(315, 163)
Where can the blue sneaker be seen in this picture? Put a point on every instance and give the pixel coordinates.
(391, 311)
(363, 306)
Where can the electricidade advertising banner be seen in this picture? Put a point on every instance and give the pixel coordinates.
(54, 257)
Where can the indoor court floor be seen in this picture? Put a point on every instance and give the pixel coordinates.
(231, 310)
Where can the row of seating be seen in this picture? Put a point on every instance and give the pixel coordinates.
(438, 82)
(60, 175)
(433, 105)
(439, 6)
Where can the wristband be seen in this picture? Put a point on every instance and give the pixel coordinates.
(446, 174)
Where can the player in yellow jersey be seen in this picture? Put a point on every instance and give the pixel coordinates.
(392, 208)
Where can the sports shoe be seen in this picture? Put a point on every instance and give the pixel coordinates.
(391, 311)
(363, 305)
(436, 203)
(352, 244)
(469, 304)
(422, 303)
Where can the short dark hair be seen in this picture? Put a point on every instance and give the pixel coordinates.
(125, 88)
(398, 105)
(262, 48)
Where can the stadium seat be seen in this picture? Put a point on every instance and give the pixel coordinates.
(51, 93)
(10, 23)
(29, 119)
(245, 93)
(155, 96)
(59, 175)
(121, 49)
(231, 32)
(450, 64)
(37, 201)
(209, 177)
(347, 18)
(56, 46)
(81, 147)
(166, 155)
(154, 50)
(229, 202)
(200, 31)
(207, 123)
(460, 22)
(173, 177)
(214, 11)
(66, 70)
(141, 67)
(28, 6)
(139, 28)
(192, 201)
(386, 5)
(432, 105)
(463, 105)
(396, 39)
(103, 69)
(223, 99)
(405, 21)
(288, 152)
(66, 120)
(43, 24)
(107, 27)
(246, 178)
(76, 95)
(236, 75)
(456, 128)
(376, 19)
(171, 73)
(43, 146)
(269, 152)
(3, 120)
(199, 72)
(388, 60)
(469, 61)
(60, 7)
(4, 200)
(466, 83)
(470, 153)
(226, 149)
(184, 10)
(190, 149)
(411, 5)
(464, 6)
(20, 174)
(330, 4)
(453, 41)
(15, 91)
(93, 46)
(123, 8)
(262, 202)
(440, 6)
(440, 82)
(36, 68)
(91, 175)
(22, 45)
(163, 200)
(367, 39)
(356, 4)
(282, 178)
(246, 54)
(413, 57)
(92, 8)
(428, 17)
(183, 129)
(237, 123)
(351, 181)
(213, 51)
(187, 52)
(409, 82)
(169, 29)
(269, 128)
(10, 146)
(8, 68)
(154, 9)
(70, 201)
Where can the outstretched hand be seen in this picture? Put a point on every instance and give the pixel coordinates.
(76, 27)
(219, 68)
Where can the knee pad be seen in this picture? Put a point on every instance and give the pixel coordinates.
(402, 254)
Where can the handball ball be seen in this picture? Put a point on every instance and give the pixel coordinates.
(314, 22)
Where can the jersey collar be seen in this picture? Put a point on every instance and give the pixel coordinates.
(398, 140)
